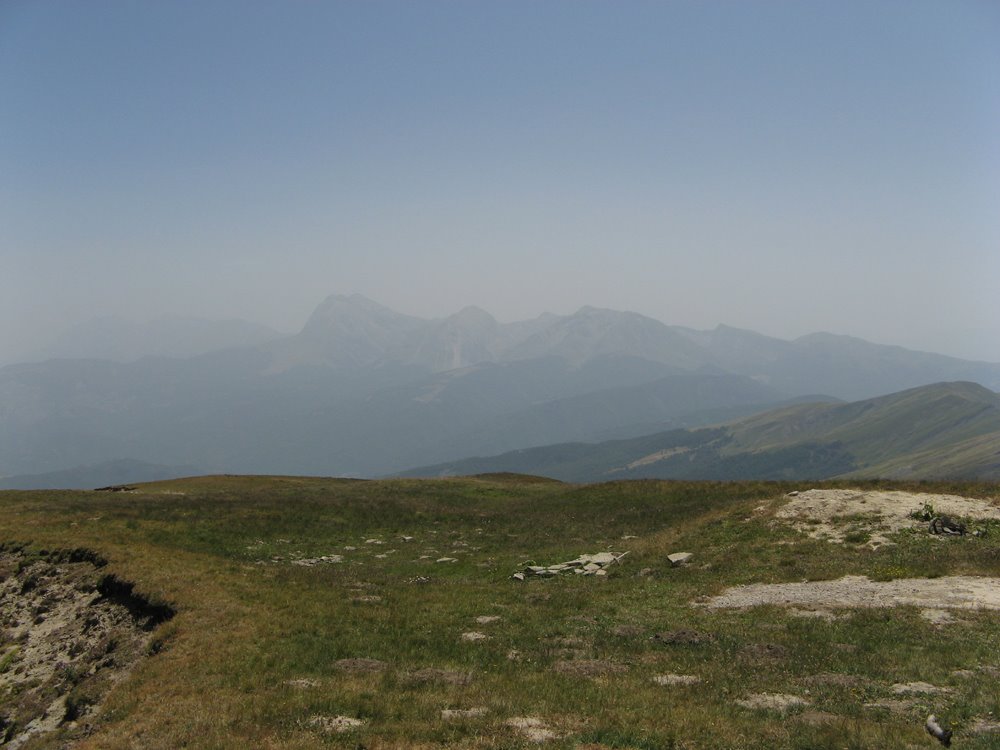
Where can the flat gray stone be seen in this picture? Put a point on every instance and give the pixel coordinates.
(680, 558)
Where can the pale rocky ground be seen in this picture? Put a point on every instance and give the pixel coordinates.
(829, 514)
(947, 592)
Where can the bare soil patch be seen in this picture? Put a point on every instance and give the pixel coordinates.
(831, 514)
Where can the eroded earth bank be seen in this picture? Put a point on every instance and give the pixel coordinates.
(68, 632)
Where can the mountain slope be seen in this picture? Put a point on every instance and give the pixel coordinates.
(938, 431)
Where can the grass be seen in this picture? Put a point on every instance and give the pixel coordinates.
(220, 549)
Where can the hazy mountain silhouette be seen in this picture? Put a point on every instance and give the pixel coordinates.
(364, 390)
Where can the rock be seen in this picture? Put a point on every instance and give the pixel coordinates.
(919, 688)
(945, 525)
(473, 636)
(303, 683)
(447, 559)
(772, 701)
(487, 619)
(679, 558)
(532, 729)
(676, 679)
(584, 564)
(337, 724)
(518, 576)
(601, 572)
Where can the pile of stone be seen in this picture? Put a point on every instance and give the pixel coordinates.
(586, 565)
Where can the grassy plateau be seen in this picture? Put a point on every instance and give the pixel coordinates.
(267, 652)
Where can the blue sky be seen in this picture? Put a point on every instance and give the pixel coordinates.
(782, 166)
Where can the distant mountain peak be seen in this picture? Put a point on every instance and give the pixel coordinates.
(472, 315)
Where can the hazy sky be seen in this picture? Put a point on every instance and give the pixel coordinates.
(777, 165)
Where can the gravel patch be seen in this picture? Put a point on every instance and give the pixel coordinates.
(947, 592)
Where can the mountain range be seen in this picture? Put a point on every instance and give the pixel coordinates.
(363, 390)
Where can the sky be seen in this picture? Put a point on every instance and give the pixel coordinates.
(786, 167)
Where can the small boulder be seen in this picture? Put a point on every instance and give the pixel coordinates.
(679, 558)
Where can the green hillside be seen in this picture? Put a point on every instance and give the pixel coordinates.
(382, 614)
(937, 431)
